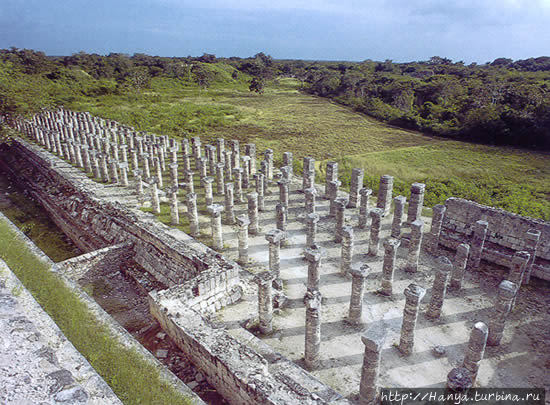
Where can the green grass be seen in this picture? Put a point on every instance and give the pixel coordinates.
(284, 119)
(132, 378)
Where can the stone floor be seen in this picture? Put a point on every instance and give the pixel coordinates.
(38, 365)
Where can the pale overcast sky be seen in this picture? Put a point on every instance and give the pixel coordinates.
(401, 30)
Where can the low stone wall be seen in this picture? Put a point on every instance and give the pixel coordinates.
(250, 373)
(506, 233)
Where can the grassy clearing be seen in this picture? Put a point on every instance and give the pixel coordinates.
(284, 119)
(133, 379)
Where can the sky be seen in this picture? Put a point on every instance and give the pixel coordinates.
(355, 30)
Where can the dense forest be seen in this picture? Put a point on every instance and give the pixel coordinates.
(503, 102)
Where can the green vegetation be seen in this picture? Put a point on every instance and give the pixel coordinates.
(132, 378)
(175, 100)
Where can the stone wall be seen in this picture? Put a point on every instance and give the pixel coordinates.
(505, 235)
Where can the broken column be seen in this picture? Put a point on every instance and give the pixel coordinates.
(220, 181)
(385, 192)
(459, 266)
(517, 269)
(373, 339)
(413, 295)
(313, 257)
(311, 228)
(356, 184)
(503, 305)
(281, 214)
(274, 237)
(376, 221)
(476, 244)
(313, 329)
(416, 202)
(268, 156)
(242, 223)
(310, 194)
(254, 227)
(250, 150)
(283, 192)
(439, 288)
(333, 195)
(237, 175)
(155, 201)
(347, 250)
(265, 301)
(229, 204)
(358, 273)
(288, 162)
(364, 194)
(459, 380)
(388, 267)
(397, 221)
(340, 208)
(174, 174)
(308, 177)
(475, 350)
(216, 225)
(208, 195)
(189, 182)
(192, 214)
(532, 238)
(260, 190)
(332, 175)
(435, 230)
(415, 243)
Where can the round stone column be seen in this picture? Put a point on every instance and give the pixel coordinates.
(242, 223)
(265, 301)
(229, 204)
(192, 214)
(274, 237)
(439, 288)
(476, 349)
(398, 210)
(313, 329)
(388, 267)
(385, 192)
(415, 244)
(413, 295)
(373, 339)
(503, 305)
(359, 274)
(347, 250)
(459, 266)
(364, 194)
(216, 225)
(254, 227)
(376, 222)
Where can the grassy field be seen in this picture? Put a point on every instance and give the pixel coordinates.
(285, 119)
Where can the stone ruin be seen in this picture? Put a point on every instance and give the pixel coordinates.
(289, 260)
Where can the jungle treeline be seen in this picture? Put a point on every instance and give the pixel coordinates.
(503, 102)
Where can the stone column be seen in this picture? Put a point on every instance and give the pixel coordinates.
(413, 295)
(237, 174)
(158, 170)
(340, 212)
(398, 210)
(358, 273)
(104, 169)
(283, 192)
(281, 213)
(189, 182)
(173, 155)
(415, 244)
(139, 183)
(356, 184)
(373, 339)
(268, 156)
(260, 190)
(186, 162)
(155, 201)
(459, 380)
(202, 166)
(196, 148)
(242, 223)
(313, 256)
(245, 160)
(235, 154)
(229, 204)
(265, 301)
(517, 269)
(476, 245)
(313, 329)
(250, 150)
(376, 220)
(364, 194)
(333, 195)
(216, 225)
(207, 185)
(385, 192)
(228, 168)
(503, 305)
(220, 149)
(113, 164)
(288, 161)
(435, 230)
(310, 194)
(254, 227)
(192, 214)
(311, 228)
(308, 177)
(211, 153)
(274, 237)
(390, 252)
(123, 167)
(174, 210)
(476, 349)
(532, 238)
(174, 174)
(459, 266)
(332, 175)
(347, 250)
(263, 170)
(416, 202)
(439, 288)
(220, 181)
(145, 164)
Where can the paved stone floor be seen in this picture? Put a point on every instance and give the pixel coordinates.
(38, 365)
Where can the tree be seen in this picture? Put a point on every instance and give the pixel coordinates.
(203, 75)
(257, 84)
